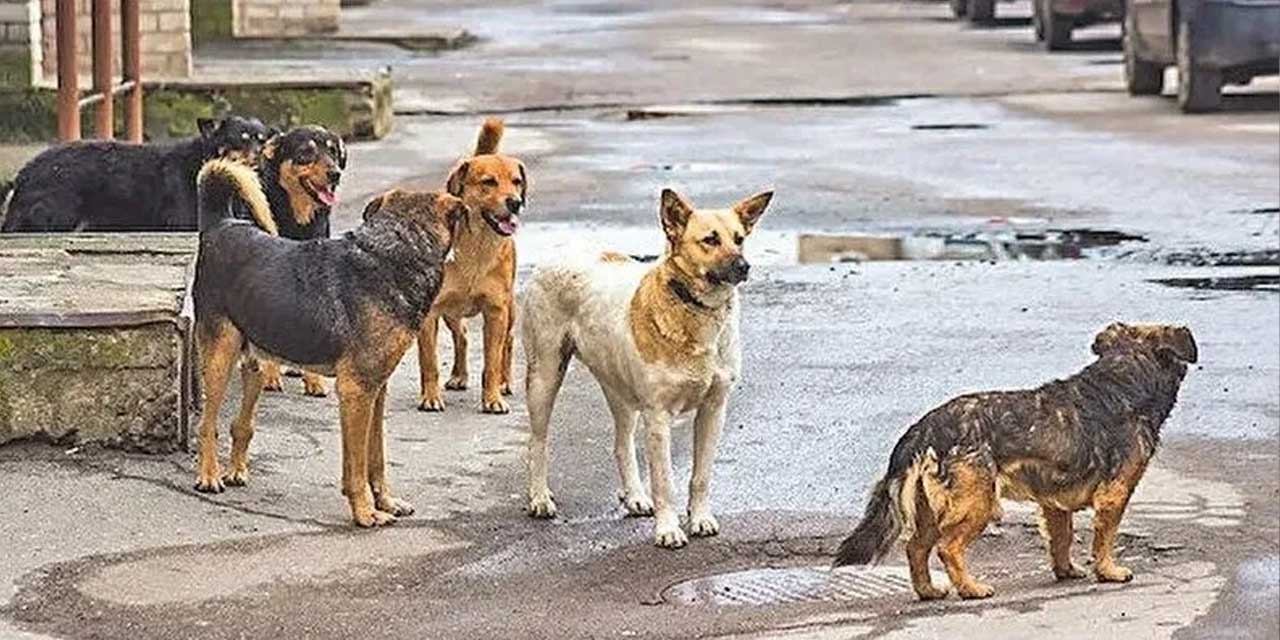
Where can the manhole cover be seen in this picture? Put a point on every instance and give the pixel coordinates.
(758, 587)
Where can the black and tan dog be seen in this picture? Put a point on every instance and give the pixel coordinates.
(300, 171)
(1079, 443)
(347, 307)
(481, 278)
(119, 186)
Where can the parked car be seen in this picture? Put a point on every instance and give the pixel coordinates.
(1212, 42)
(1054, 20)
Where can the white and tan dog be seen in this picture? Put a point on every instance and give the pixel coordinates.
(661, 340)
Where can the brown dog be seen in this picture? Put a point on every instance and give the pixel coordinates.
(1079, 443)
(481, 278)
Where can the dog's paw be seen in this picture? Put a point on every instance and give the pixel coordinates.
(236, 478)
(456, 383)
(272, 381)
(637, 504)
(975, 591)
(431, 403)
(930, 592)
(702, 525)
(542, 506)
(1072, 571)
(1114, 573)
(210, 483)
(506, 389)
(496, 405)
(313, 387)
(372, 518)
(394, 506)
(669, 537)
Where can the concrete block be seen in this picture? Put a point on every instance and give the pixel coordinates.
(174, 21)
(814, 248)
(14, 13)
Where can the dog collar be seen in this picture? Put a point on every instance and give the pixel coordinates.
(686, 296)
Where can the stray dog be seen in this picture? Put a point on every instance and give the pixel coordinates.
(119, 186)
(661, 340)
(481, 277)
(300, 172)
(1068, 445)
(347, 307)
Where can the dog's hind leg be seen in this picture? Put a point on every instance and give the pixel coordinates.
(666, 529)
(970, 499)
(219, 348)
(1059, 532)
(707, 425)
(428, 369)
(458, 376)
(242, 428)
(547, 359)
(382, 498)
(634, 496)
(313, 385)
(920, 546)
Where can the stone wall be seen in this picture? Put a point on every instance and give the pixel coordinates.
(166, 38)
(20, 54)
(284, 18)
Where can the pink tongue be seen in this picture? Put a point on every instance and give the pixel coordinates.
(509, 225)
(327, 197)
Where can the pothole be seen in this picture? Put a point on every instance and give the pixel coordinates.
(774, 586)
(1261, 282)
(1205, 258)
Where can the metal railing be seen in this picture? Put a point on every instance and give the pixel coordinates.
(70, 102)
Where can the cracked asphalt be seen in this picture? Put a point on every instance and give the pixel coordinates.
(848, 110)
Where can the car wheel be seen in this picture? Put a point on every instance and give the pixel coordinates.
(1141, 78)
(982, 11)
(1199, 88)
(1057, 29)
(1037, 19)
(959, 8)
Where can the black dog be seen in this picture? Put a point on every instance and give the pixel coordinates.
(347, 307)
(300, 171)
(118, 186)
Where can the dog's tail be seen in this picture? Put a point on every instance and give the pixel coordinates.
(220, 183)
(490, 136)
(891, 511)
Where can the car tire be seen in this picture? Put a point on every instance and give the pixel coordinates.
(1057, 29)
(959, 8)
(1199, 88)
(1141, 78)
(982, 11)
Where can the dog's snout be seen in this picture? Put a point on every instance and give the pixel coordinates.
(514, 204)
(741, 266)
(334, 176)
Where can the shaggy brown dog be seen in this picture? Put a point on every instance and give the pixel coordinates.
(481, 278)
(1068, 445)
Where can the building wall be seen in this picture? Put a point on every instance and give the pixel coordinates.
(284, 18)
(20, 36)
(166, 37)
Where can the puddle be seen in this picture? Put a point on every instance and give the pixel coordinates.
(1003, 243)
(1263, 282)
(763, 587)
(956, 126)
(1205, 258)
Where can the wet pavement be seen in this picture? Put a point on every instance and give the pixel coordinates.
(869, 119)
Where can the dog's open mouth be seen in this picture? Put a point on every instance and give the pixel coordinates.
(320, 193)
(504, 226)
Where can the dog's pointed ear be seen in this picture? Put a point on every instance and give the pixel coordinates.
(457, 179)
(342, 154)
(271, 147)
(1109, 338)
(208, 127)
(750, 210)
(375, 205)
(1178, 342)
(524, 183)
(674, 213)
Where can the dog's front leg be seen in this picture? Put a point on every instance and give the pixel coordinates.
(355, 406)
(666, 529)
(495, 341)
(707, 425)
(382, 498)
(458, 376)
(428, 370)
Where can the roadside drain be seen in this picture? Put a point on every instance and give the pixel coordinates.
(1263, 282)
(763, 587)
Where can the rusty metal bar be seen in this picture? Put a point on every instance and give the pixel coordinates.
(102, 59)
(68, 74)
(95, 98)
(131, 48)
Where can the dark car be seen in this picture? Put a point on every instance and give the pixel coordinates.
(1212, 42)
(1055, 19)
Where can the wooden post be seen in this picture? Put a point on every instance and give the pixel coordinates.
(68, 74)
(102, 59)
(131, 45)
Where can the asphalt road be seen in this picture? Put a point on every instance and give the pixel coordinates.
(850, 111)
